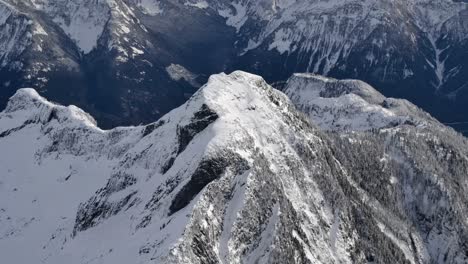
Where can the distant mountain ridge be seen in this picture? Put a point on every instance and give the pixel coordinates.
(408, 49)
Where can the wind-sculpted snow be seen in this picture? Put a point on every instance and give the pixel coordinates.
(235, 175)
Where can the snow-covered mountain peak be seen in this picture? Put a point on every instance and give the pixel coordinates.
(235, 94)
(235, 90)
(235, 175)
(238, 104)
(27, 106)
(160, 177)
(229, 96)
(25, 99)
(349, 104)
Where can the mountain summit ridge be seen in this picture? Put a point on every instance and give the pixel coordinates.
(129, 62)
(235, 175)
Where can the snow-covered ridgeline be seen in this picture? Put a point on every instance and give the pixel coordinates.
(144, 174)
(310, 19)
(349, 105)
(235, 175)
(324, 34)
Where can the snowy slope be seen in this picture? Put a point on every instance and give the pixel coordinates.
(399, 154)
(82, 21)
(131, 160)
(235, 175)
(349, 105)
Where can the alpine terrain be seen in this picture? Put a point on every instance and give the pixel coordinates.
(132, 61)
(327, 172)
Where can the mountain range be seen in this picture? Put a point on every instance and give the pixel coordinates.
(329, 171)
(132, 61)
(144, 153)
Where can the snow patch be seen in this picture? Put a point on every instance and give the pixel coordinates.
(150, 7)
(198, 4)
(178, 72)
(39, 30)
(236, 19)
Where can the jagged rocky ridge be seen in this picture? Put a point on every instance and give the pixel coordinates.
(235, 175)
(131, 61)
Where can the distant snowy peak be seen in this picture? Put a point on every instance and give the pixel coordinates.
(83, 21)
(349, 105)
(27, 106)
(320, 86)
(429, 14)
(324, 35)
(88, 24)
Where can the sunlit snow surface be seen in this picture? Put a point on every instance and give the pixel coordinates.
(63, 159)
(235, 175)
(349, 105)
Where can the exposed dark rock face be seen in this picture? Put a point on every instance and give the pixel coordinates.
(98, 208)
(151, 127)
(201, 120)
(208, 171)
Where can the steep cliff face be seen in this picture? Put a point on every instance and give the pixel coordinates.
(83, 21)
(13, 38)
(329, 37)
(235, 175)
